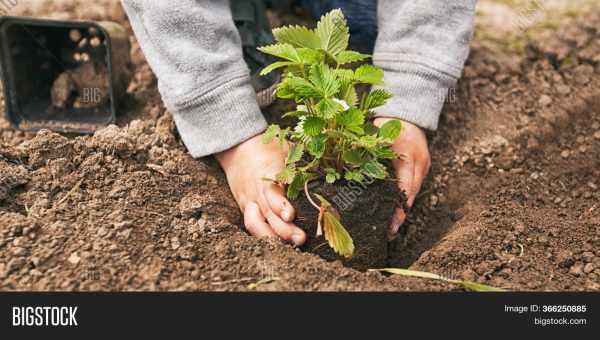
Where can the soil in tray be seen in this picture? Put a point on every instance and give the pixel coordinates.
(365, 211)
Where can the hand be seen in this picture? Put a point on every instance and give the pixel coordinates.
(267, 213)
(412, 165)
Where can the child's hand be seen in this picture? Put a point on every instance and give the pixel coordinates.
(267, 213)
(412, 165)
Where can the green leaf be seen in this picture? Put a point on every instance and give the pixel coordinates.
(337, 235)
(350, 95)
(352, 117)
(297, 184)
(374, 169)
(309, 56)
(294, 114)
(376, 98)
(295, 153)
(346, 57)
(282, 135)
(469, 285)
(353, 157)
(384, 153)
(357, 130)
(354, 176)
(313, 126)
(297, 36)
(283, 51)
(390, 130)
(370, 129)
(324, 80)
(284, 90)
(369, 74)
(272, 132)
(301, 88)
(324, 202)
(260, 282)
(275, 66)
(328, 108)
(344, 74)
(331, 175)
(286, 176)
(367, 142)
(316, 146)
(333, 32)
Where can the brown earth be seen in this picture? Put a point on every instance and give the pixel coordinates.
(512, 200)
(364, 211)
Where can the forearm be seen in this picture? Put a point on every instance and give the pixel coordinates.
(194, 49)
(422, 46)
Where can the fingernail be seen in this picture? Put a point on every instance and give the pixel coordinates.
(298, 239)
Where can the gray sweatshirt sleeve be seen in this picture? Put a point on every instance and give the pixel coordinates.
(422, 47)
(195, 50)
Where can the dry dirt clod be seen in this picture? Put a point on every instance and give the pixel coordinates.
(95, 42)
(587, 256)
(545, 100)
(588, 268)
(576, 270)
(75, 35)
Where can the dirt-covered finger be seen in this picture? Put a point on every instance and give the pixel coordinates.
(275, 196)
(287, 231)
(255, 223)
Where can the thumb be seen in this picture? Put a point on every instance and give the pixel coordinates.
(405, 172)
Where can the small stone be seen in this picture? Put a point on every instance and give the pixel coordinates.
(74, 259)
(123, 225)
(592, 286)
(565, 154)
(582, 148)
(587, 256)
(557, 200)
(545, 100)
(434, 200)
(588, 268)
(580, 139)
(126, 233)
(565, 259)
(595, 125)
(75, 35)
(519, 228)
(102, 231)
(175, 243)
(587, 195)
(592, 186)
(563, 89)
(19, 251)
(35, 272)
(597, 135)
(576, 270)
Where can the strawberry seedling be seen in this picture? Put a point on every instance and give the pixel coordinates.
(333, 138)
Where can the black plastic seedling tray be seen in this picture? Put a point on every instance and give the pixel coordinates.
(34, 52)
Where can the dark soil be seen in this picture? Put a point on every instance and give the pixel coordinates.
(513, 198)
(69, 88)
(365, 212)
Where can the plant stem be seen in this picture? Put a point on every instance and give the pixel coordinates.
(309, 198)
